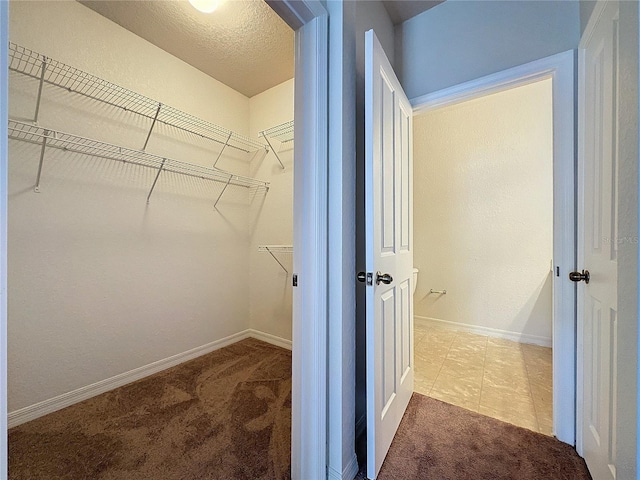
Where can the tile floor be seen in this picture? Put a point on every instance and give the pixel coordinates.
(499, 378)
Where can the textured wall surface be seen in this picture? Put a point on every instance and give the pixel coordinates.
(459, 41)
(101, 283)
(483, 204)
(271, 220)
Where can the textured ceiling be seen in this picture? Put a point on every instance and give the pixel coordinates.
(401, 10)
(243, 44)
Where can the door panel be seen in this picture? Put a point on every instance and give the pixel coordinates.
(597, 326)
(389, 230)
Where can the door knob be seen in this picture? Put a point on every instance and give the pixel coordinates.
(384, 278)
(579, 276)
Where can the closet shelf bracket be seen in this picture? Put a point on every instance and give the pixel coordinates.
(43, 70)
(277, 249)
(215, 205)
(153, 124)
(45, 136)
(274, 151)
(222, 150)
(156, 179)
(283, 133)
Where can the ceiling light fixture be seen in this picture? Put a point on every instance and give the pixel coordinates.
(205, 6)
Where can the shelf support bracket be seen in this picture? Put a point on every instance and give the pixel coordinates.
(222, 192)
(153, 124)
(222, 150)
(40, 85)
(156, 180)
(274, 151)
(276, 259)
(42, 150)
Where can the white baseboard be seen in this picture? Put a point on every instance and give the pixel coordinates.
(51, 405)
(349, 472)
(272, 339)
(490, 332)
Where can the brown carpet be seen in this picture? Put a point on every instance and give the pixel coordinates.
(225, 415)
(444, 442)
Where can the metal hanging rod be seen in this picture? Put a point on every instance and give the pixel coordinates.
(53, 72)
(283, 133)
(441, 292)
(277, 249)
(48, 138)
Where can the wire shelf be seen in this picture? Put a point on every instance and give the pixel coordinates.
(282, 132)
(48, 138)
(277, 250)
(53, 72)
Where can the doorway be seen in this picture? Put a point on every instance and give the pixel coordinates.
(558, 70)
(483, 203)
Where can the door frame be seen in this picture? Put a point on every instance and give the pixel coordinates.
(310, 20)
(561, 69)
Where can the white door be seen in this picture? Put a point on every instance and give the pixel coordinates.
(389, 252)
(597, 243)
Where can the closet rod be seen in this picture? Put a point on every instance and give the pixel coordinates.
(52, 72)
(48, 138)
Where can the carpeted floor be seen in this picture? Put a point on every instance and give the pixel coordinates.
(444, 442)
(225, 415)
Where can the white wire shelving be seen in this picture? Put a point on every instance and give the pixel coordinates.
(52, 72)
(277, 251)
(48, 138)
(283, 133)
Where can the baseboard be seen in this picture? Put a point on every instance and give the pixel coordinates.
(272, 339)
(51, 405)
(490, 332)
(349, 472)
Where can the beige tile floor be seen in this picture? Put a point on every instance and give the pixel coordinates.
(499, 378)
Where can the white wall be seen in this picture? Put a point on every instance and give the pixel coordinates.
(458, 41)
(271, 220)
(99, 282)
(483, 203)
(627, 361)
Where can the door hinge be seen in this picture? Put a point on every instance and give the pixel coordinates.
(294, 279)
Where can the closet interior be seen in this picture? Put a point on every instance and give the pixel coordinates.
(150, 208)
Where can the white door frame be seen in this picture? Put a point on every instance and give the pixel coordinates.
(4, 112)
(561, 69)
(310, 20)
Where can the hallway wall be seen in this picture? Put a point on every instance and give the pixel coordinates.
(458, 41)
(483, 213)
